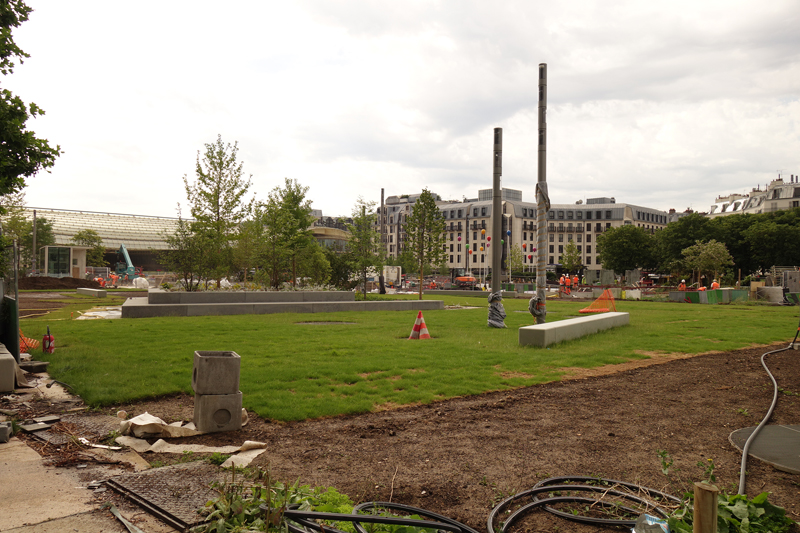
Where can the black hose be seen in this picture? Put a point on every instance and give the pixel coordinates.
(547, 486)
(751, 438)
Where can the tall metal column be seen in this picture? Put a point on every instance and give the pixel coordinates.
(497, 207)
(542, 201)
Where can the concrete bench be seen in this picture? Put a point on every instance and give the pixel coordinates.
(542, 335)
(97, 293)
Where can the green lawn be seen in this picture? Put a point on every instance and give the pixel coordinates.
(292, 371)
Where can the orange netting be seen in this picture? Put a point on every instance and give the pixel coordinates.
(603, 304)
(26, 344)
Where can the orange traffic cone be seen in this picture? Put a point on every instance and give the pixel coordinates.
(420, 330)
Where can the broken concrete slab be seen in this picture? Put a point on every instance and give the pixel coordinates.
(30, 428)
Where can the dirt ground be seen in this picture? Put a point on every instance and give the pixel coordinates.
(460, 457)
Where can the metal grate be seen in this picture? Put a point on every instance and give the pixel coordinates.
(174, 494)
(93, 428)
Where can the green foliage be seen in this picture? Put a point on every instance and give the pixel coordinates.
(571, 258)
(707, 257)
(217, 205)
(737, 514)
(22, 154)
(285, 219)
(96, 251)
(218, 458)
(514, 260)
(363, 250)
(17, 227)
(425, 231)
(625, 248)
(185, 254)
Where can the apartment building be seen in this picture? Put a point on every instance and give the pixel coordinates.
(583, 222)
(776, 196)
(469, 222)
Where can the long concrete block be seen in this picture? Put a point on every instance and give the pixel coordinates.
(8, 368)
(140, 308)
(216, 372)
(542, 335)
(218, 412)
(97, 293)
(219, 309)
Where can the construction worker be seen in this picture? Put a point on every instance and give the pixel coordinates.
(561, 284)
(682, 285)
(567, 284)
(714, 285)
(575, 282)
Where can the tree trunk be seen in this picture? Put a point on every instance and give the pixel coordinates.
(421, 270)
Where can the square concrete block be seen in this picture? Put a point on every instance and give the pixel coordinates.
(7, 371)
(216, 373)
(218, 412)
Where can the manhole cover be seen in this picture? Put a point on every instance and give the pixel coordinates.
(172, 493)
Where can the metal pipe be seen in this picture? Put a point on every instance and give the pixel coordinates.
(542, 200)
(497, 221)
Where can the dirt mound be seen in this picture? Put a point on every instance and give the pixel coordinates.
(46, 283)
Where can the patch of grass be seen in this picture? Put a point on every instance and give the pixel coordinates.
(291, 371)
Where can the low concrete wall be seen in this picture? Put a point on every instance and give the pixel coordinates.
(97, 293)
(472, 294)
(141, 308)
(159, 296)
(770, 294)
(542, 335)
(616, 292)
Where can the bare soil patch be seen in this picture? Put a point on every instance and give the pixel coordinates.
(460, 457)
(48, 283)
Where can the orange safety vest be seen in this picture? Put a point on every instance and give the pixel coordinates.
(561, 281)
(714, 285)
(567, 281)
(682, 287)
(575, 280)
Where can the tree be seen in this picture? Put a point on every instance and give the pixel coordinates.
(707, 257)
(285, 217)
(17, 227)
(217, 204)
(675, 237)
(571, 258)
(22, 154)
(185, 254)
(364, 244)
(96, 251)
(625, 248)
(426, 237)
(341, 269)
(514, 259)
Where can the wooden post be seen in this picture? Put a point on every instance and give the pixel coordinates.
(705, 508)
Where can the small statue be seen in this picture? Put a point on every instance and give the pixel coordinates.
(497, 313)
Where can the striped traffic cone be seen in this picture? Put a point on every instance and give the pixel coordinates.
(420, 330)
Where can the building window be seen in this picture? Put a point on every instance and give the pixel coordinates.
(588, 215)
(598, 227)
(451, 235)
(579, 215)
(579, 249)
(589, 238)
(608, 225)
(459, 213)
(459, 247)
(560, 237)
(552, 237)
(475, 212)
(569, 237)
(551, 251)
(452, 214)
(451, 249)
(524, 211)
(560, 248)
(588, 260)
(561, 215)
(608, 215)
(483, 258)
(458, 259)
(391, 248)
(569, 215)
(483, 211)
(588, 249)
(580, 237)
(474, 235)
(451, 257)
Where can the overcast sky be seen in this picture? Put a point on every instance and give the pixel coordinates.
(660, 104)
